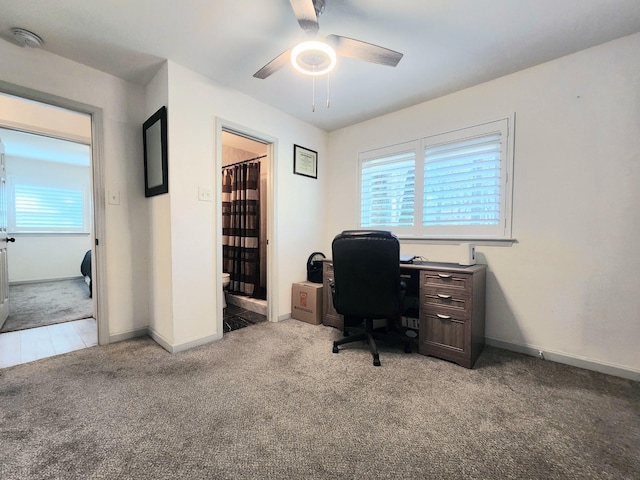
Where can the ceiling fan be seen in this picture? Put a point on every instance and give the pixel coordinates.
(317, 57)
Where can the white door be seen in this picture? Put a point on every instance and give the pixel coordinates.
(4, 266)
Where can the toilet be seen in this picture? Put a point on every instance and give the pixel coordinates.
(226, 279)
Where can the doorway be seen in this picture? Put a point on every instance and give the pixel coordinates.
(49, 183)
(246, 222)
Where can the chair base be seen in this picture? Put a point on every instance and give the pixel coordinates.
(367, 336)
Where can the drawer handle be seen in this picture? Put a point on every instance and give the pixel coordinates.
(444, 275)
(443, 317)
(446, 297)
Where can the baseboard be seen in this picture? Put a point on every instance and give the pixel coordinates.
(119, 337)
(159, 339)
(181, 347)
(580, 362)
(44, 280)
(284, 316)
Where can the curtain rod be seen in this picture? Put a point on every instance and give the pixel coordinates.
(244, 161)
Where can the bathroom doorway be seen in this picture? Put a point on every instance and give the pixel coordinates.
(246, 169)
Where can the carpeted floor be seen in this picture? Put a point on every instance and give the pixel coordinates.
(273, 402)
(47, 303)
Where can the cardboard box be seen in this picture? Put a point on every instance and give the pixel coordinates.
(306, 302)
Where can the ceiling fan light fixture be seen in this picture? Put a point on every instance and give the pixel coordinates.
(313, 58)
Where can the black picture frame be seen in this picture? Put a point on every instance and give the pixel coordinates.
(305, 162)
(156, 165)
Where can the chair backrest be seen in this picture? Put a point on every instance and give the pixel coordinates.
(366, 269)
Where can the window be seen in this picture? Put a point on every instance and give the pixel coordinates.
(48, 209)
(388, 187)
(463, 187)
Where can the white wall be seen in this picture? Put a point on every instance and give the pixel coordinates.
(570, 284)
(47, 257)
(184, 271)
(195, 103)
(159, 271)
(34, 257)
(38, 118)
(122, 105)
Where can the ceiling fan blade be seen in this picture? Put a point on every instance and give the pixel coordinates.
(349, 47)
(274, 65)
(305, 12)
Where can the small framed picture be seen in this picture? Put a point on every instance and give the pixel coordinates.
(305, 162)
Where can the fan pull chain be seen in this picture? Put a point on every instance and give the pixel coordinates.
(328, 102)
(313, 91)
(313, 94)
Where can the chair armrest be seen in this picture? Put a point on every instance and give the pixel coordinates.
(332, 286)
(403, 291)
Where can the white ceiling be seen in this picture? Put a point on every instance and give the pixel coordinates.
(448, 45)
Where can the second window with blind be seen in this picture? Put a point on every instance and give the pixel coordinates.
(453, 185)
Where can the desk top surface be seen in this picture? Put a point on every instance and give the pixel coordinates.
(424, 265)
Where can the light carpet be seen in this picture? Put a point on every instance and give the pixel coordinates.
(39, 304)
(271, 401)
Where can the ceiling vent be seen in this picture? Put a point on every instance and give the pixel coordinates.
(25, 38)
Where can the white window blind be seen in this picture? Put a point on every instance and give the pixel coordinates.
(48, 209)
(387, 191)
(462, 182)
(454, 185)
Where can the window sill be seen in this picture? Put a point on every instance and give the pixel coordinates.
(498, 242)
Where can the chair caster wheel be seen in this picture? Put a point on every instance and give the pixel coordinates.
(335, 348)
(376, 361)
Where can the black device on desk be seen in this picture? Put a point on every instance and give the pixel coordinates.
(407, 258)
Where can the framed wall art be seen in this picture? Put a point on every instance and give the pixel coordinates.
(305, 162)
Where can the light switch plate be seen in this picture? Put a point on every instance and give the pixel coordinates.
(205, 194)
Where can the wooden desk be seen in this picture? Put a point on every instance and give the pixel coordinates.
(451, 305)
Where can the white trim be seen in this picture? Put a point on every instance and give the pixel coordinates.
(181, 347)
(98, 191)
(499, 242)
(119, 337)
(45, 280)
(574, 361)
(272, 212)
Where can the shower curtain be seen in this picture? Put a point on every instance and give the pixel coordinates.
(241, 227)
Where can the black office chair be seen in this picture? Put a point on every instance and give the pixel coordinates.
(366, 284)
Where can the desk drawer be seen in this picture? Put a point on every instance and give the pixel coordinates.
(434, 280)
(441, 331)
(444, 300)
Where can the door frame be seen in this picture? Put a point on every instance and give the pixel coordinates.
(98, 236)
(272, 242)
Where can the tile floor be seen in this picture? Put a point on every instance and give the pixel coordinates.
(33, 344)
(236, 317)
